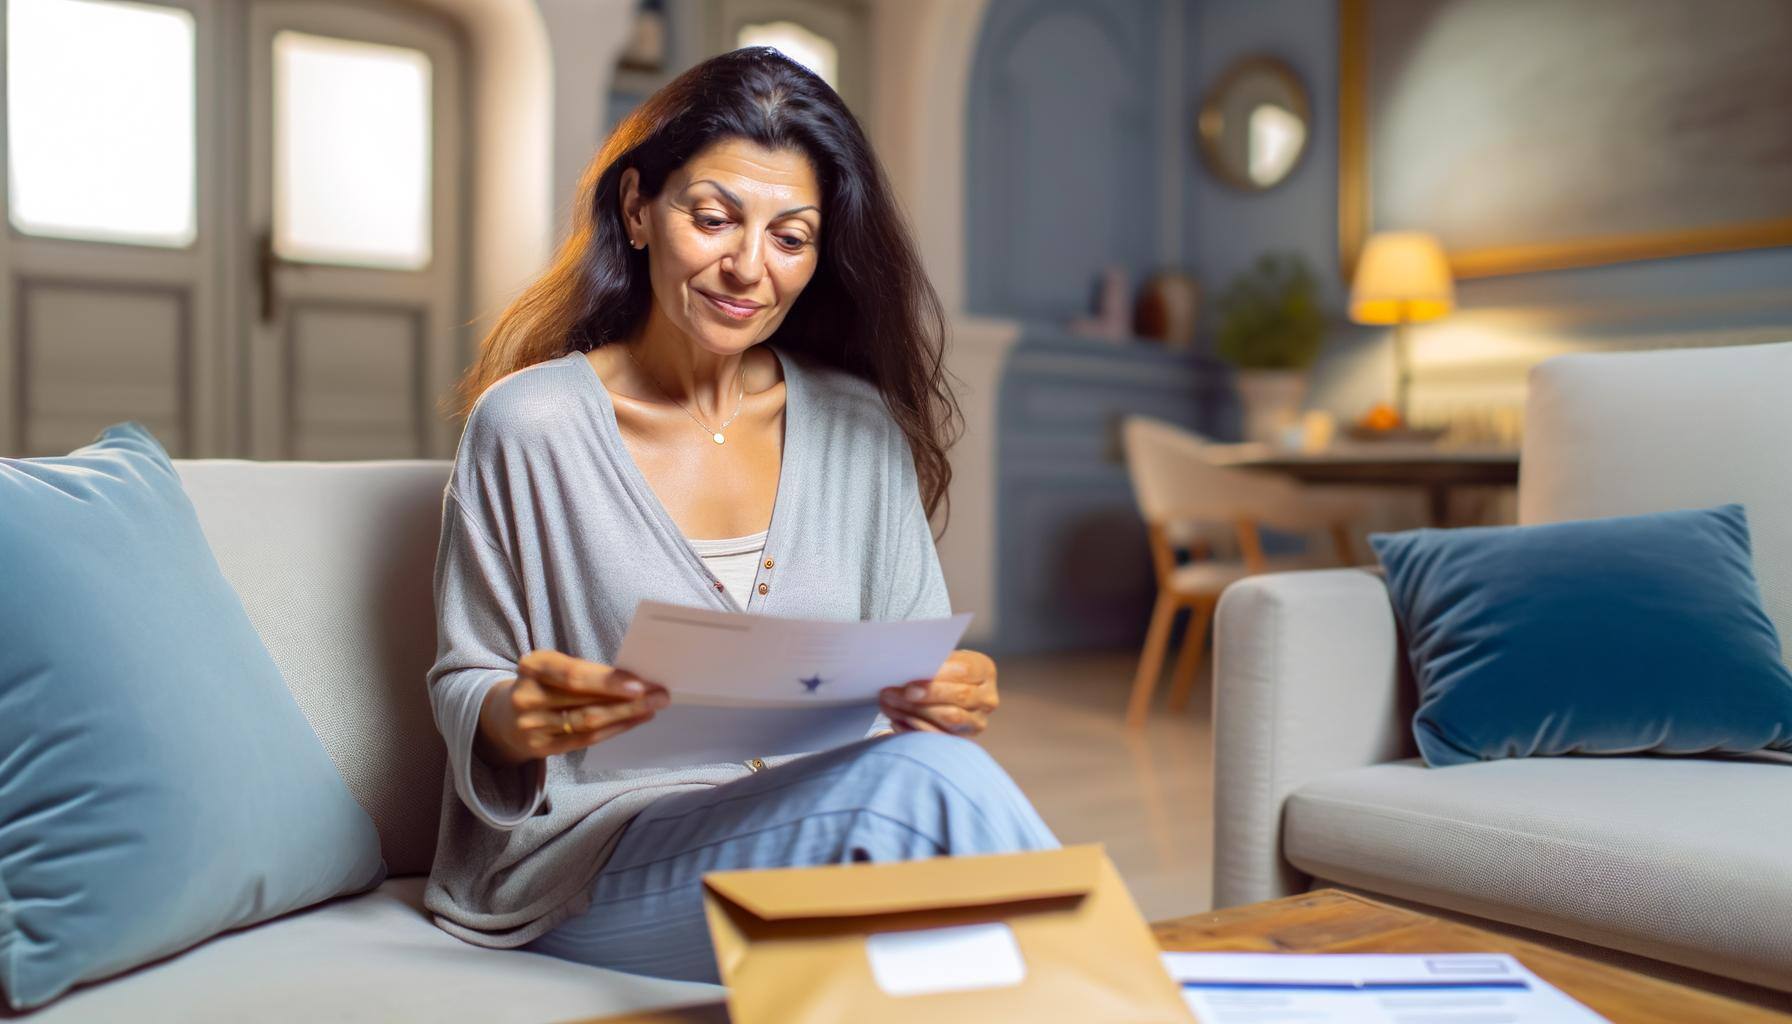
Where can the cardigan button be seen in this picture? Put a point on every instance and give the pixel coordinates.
(718, 584)
(765, 588)
(768, 563)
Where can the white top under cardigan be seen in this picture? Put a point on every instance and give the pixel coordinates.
(551, 535)
(734, 561)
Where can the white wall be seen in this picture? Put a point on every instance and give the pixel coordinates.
(585, 37)
(921, 67)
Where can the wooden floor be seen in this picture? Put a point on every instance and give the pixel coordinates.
(1147, 796)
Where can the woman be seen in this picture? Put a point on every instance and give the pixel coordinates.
(726, 391)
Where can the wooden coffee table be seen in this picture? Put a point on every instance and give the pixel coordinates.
(1329, 921)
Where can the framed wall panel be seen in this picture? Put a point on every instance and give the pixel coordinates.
(1535, 135)
(1061, 154)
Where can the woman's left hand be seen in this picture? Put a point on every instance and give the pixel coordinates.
(958, 700)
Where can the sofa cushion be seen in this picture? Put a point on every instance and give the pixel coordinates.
(157, 783)
(334, 561)
(372, 958)
(1622, 635)
(1611, 434)
(1679, 859)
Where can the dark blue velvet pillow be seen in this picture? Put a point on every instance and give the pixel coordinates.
(1635, 634)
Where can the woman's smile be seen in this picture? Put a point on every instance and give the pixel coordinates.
(733, 309)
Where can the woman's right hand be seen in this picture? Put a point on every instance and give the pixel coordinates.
(559, 703)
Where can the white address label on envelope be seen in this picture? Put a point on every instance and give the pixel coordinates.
(955, 959)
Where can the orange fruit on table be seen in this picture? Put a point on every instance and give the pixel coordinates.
(1381, 417)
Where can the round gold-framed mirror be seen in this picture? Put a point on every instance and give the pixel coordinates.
(1255, 124)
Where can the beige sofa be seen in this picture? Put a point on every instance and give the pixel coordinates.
(334, 562)
(1682, 861)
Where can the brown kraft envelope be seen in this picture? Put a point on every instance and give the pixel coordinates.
(854, 942)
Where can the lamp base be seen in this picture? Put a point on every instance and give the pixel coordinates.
(1402, 375)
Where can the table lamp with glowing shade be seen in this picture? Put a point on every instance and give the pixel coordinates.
(1402, 278)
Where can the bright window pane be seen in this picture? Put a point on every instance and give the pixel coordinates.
(817, 53)
(100, 122)
(351, 152)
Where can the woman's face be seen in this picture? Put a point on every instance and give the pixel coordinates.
(731, 241)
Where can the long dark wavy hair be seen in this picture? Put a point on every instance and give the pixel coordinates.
(869, 310)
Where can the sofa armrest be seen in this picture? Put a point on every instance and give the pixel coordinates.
(1307, 681)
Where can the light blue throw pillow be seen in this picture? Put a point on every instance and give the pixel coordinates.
(158, 784)
(1628, 635)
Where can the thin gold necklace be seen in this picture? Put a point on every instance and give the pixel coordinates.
(716, 434)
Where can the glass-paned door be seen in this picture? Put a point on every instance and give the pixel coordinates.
(354, 185)
(235, 221)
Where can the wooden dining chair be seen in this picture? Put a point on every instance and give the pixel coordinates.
(1190, 504)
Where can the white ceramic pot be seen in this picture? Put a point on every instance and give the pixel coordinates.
(1272, 401)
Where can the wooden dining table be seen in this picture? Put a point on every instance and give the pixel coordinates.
(1436, 470)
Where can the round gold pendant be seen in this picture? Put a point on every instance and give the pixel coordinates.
(718, 438)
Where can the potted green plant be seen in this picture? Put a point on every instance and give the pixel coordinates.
(1271, 327)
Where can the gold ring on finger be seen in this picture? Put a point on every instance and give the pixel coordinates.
(566, 723)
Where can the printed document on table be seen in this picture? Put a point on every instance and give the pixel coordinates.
(746, 686)
(1372, 988)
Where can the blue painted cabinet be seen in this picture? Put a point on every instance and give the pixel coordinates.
(1073, 569)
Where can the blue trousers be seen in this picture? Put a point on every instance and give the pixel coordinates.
(897, 797)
